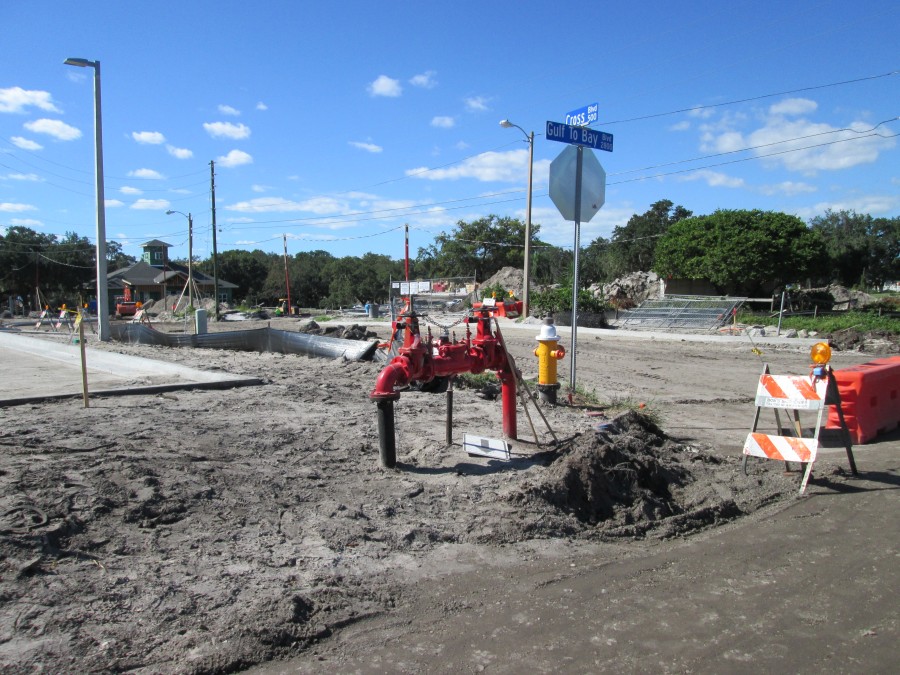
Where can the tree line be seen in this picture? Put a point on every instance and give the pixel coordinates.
(742, 252)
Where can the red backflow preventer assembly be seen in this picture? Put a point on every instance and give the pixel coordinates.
(426, 361)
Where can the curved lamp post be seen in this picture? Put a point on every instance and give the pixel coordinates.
(506, 124)
(103, 331)
(190, 255)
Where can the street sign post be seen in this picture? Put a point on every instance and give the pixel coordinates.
(584, 117)
(578, 188)
(566, 133)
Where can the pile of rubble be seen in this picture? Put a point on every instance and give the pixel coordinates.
(834, 297)
(631, 290)
(508, 278)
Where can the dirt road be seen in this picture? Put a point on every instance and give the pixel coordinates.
(208, 531)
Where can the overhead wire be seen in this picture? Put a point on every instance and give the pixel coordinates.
(359, 217)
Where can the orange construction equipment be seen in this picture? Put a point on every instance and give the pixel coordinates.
(870, 393)
(510, 309)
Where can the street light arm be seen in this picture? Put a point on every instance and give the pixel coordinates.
(506, 124)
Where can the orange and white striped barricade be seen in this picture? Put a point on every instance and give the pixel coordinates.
(792, 392)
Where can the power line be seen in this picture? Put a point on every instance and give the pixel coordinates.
(752, 98)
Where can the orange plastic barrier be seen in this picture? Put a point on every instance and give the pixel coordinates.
(870, 398)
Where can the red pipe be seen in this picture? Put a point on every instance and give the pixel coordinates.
(425, 361)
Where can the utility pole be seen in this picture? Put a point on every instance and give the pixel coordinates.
(212, 179)
(287, 279)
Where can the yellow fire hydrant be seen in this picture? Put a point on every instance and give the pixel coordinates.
(548, 352)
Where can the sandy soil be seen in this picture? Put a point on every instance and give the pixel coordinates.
(208, 531)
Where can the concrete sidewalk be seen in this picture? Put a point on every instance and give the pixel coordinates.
(36, 369)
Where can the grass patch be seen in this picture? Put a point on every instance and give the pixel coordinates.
(473, 381)
(827, 323)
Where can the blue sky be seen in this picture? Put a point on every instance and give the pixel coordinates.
(337, 123)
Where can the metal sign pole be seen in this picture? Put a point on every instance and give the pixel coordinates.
(573, 350)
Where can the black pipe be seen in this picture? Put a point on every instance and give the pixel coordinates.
(449, 417)
(386, 441)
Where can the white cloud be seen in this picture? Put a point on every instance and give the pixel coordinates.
(234, 158)
(179, 153)
(729, 141)
(228, 110)
(33, 177)
(684, 125)
(151, 204)
(425, 80)
(113, 203)
(148, 137)
(261, 106)
(476, 104)
(793, 106)
(149, 174)
(13, 207)
(509, 167)
(368, 147)
(385, 86)
(56, 128)
(227, 130)
(317, 205)
(853, 147)
(260, 188)
(789, 188)
(16, 99)
(26, 222)
(714, 178)
(876, 205)
(701, 112)
(128, 190)
(442, 122)
(25, 143)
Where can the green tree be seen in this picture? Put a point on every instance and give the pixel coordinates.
(481, 248)
(549, 264)
(861, 250)
(740, 252)
(309, 277)
(21, 264)
(593, 261)
(885, 264)
(632, 246)
(248, 270)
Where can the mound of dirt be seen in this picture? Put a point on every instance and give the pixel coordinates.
(630, 479)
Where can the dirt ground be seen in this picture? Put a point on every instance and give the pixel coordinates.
(211, 531)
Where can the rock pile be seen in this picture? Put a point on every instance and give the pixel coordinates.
(354, 332)
(510, 278)
(631, 290)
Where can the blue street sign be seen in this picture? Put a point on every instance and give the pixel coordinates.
(566, 133)
(584, 117)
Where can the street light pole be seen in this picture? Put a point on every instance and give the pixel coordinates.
(103, 330)
(506, 124)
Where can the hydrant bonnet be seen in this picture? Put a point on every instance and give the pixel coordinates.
(548, 331)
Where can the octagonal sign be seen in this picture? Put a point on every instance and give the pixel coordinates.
(562, 183)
